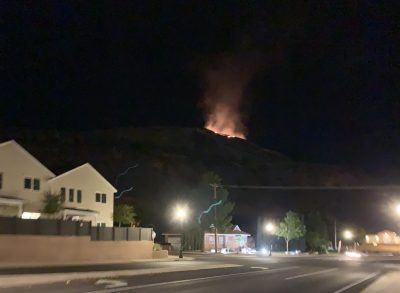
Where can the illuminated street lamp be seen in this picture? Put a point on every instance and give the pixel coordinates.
(348, 235)
(398, 209)
(181, 213)
(270, 229)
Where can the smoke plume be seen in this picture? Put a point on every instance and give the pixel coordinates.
(225, 82)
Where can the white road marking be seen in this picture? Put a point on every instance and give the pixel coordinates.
(191, 280)
(261, 268)
(8, 281)
(311, 274)
(111, 283)
(370, 276)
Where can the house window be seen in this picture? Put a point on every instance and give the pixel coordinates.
(103, 198)
(36, 184)
(98, 197)
(62, 194)
(1, 180)
(28, 183)
(79, 196)
(71, 194)
(101, 224)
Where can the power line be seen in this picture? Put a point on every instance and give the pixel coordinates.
(310, 187)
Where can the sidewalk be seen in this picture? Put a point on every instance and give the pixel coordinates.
(6, 266)
(389, 282)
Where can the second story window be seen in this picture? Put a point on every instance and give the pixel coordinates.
(36, 184)
(62, 194)
(79, 195)
(28, 183)
(101, 197)
(71, 195)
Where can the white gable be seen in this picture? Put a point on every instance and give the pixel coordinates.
(83, 173)
(11, 151)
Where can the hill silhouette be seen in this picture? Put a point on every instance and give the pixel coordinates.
(170, 161)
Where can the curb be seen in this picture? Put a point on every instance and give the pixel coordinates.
(170, 258)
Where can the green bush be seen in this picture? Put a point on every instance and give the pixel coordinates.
(157, 247)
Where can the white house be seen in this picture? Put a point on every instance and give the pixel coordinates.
(86, 195)
(24, 181)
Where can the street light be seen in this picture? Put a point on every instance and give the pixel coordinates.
(181, 213)
(348, 235)
(270, 228)
(398, 209)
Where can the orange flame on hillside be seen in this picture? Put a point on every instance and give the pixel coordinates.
(225, 81)
(224, 121)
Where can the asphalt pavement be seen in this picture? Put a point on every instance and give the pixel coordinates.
(236, 273)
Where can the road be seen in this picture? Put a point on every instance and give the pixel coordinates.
(252, 273)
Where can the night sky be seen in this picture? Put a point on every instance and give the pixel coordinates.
(326, 89)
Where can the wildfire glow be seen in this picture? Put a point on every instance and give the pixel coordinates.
(224, 121)
(224, 102)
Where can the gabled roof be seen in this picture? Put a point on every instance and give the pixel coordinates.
(26, 153)
(235, 231)
(87, 165)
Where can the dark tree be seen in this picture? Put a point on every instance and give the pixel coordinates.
(52, 204)
(317, 232)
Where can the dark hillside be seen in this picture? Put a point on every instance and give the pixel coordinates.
(171, 161)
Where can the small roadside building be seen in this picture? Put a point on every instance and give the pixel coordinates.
(231, 241)
(384, 241)
(382, 237)
(172, 241)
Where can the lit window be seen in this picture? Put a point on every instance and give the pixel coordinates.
(71, 195)
(36, 184)
(79, 196)
(98, 197)
(30, 216)
(103, 198)
(28, 183)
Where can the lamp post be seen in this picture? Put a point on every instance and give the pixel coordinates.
(348, 235)
(270, 228)
(215, 186)
(181, 215)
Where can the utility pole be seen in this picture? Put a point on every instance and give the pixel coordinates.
(335, 235)
(215, 217)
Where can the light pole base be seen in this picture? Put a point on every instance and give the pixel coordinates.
(180, 254)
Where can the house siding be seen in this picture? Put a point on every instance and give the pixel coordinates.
(89, 182)
(15, 166)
